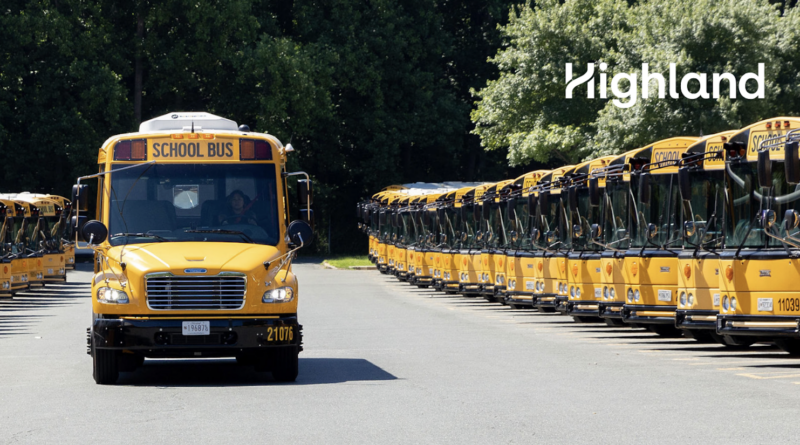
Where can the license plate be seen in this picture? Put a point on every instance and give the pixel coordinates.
(716, 300)
(598, 293)
(664, 295)
(529, 285)
(196, 327)
(765, 304)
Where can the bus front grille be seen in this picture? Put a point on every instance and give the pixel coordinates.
(217, 292)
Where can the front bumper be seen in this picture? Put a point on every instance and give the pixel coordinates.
(228, 337)
(611, 310)
(469, 288)
(648, 314)
(588, 308)
(423, 280)
(519, 298)
(545, 300)
(695, 319)
(383, 268)
(562, 304)
(759, 325)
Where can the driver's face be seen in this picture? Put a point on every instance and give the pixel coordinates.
(237, 203)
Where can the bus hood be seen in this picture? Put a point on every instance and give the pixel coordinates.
(194, 257)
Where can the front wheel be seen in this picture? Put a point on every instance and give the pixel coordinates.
(790, 345)
(286, 366)
(106, 366)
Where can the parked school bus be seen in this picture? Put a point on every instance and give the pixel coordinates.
(519, 258)
(193, 247)
(27, 237)
(46, 236)
(470, 268)
(619, 221)
(652, 261)
(492, 240)
(552, 238)
(6, 252)
(583, 274)
(759, 267)
(702, 184)
(64, 228)
(15, 261)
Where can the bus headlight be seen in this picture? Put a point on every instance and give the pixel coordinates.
(691, 300)
(683, 298)
(605, 292)
(70, 260)
(572, 291)
(6, 285)
(725, 303)
(733, 303)
(630, 295)
(108, 295)
(611, 293)
(636, 295)
(578, 292)
(280, 295)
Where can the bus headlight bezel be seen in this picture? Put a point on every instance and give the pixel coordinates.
(283, 294)
(733, 303)
(630, 295)
(109, 295)
(725, 303)
(636, 295)
(683, 299)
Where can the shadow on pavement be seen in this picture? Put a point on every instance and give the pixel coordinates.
(225, 372)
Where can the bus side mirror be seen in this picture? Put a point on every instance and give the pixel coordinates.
(594, 192)
(683, 184)
(652, 230)
(532, 203)
(94, 232)
(544, 202)
(535, 234)
(77, 223)
(511, 203)
(644, 188)
(301, 233)
(596, 231)
(791, 220)
(307, 215)
(792, 162)
(304, 192)
(572, 197)
(80, 197)
(764, 169)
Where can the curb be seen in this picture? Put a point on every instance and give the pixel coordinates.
(328, 265)
(363, 267)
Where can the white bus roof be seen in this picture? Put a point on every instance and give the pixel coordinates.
(180, 121)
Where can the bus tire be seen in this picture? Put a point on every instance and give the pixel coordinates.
(790, 345)
(734, 342)
(285, 367)
(106, 366)
(615, 323)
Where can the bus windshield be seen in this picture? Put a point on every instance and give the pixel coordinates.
(740, 227)
(194, 202)
(521, 224)
(661, 211)
(616, 208)
(584, 218)
(554, 222)
(703, 212)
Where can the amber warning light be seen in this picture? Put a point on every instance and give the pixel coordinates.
(135, 150)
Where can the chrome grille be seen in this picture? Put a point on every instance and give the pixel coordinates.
(217, 292)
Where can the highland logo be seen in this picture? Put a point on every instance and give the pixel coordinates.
(695, 90)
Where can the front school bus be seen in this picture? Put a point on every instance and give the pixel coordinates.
(15, 260)
(427, 247)
(46, 235)
(583, 265)
(702, 183)
(652, 261)
(759, 267)
(193, 247)
(493, 240)
(619, 220)
(552, 238)
(519, 255)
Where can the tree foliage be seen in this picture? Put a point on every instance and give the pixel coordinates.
(526, 110)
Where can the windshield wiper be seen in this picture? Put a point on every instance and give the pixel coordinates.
(223, 231)
(140, 235)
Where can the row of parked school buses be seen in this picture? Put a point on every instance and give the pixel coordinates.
(687, 235)
(34, 241)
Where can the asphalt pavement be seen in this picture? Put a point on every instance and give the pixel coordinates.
(388, 363)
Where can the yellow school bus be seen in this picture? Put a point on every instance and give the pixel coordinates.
(759, 267)
(493, 240)
(652, 261)
(551, 238)
(583, 265)
(28, 238)
(520, 260)
(470, 268)
(193, 247)
(6, 253)
(449, 257)
(47, 232)
(619, 221)
(702, 184)
(62, 227)
(15, 260)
